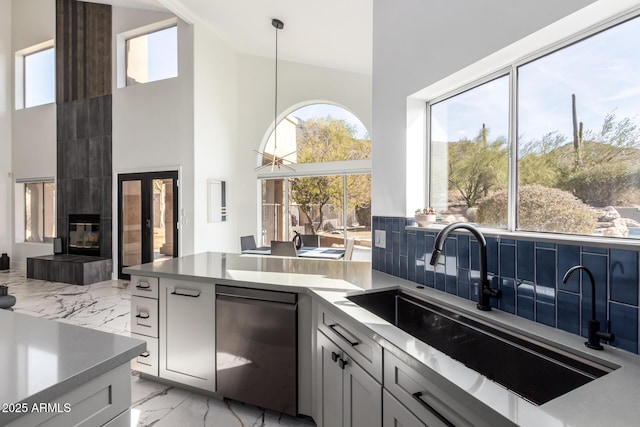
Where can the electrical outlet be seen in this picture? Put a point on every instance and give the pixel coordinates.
(381, 239)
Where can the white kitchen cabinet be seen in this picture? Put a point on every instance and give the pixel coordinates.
(395, 414)
(366, 352)
(147, 362)
(350, 397)
(187, 333)
(144, 322)
(426, 394)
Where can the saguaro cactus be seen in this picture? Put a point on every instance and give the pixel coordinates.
(577, 131)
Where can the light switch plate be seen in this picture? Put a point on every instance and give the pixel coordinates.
(381, 239)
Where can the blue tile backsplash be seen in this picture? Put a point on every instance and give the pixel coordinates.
(528, 273)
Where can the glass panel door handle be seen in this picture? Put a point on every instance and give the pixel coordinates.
(148, 223)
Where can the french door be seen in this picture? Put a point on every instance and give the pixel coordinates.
(148, 218)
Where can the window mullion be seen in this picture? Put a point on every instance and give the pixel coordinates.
(344, 210)
(512, 203)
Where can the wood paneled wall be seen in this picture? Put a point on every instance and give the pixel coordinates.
(83, 50)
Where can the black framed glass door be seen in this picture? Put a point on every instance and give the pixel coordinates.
(148, 218)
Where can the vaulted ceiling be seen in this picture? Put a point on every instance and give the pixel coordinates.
(329, 33)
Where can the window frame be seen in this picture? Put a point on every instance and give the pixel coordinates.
(511, 69)
(20, 84)
(21, 213)
(121, 48)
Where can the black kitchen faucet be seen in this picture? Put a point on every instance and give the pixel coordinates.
(486, 292)
(595, 334)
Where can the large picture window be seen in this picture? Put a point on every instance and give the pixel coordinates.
(469, 151)
(575, 167)
(39, 211)
(314, 181)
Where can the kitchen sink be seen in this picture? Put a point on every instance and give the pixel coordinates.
(534, 370)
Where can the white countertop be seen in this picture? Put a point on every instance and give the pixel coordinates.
(611, 400)
(41, 360)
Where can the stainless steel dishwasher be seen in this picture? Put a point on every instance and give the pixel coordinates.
(256, 347)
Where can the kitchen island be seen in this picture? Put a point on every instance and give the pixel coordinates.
(353, 337)
(54, 373)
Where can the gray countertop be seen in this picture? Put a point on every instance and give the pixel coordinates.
(41, 360)
(611, 400)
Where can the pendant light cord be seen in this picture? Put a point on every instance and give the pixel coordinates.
(275, 108)
(278, 25)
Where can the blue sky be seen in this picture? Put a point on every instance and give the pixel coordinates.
(40, 77)
(163, 54)
(603, 71)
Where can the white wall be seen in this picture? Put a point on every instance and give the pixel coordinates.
(297, 84)
(215, 136)
(33, 152)
(206, 122)
(153, 123)
(5, 126)
(415, 44)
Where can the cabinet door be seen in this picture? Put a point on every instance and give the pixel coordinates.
(394, 414)
(187, 333)
(331, 382)
(362, 402)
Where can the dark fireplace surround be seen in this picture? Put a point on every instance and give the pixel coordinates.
(84, 234)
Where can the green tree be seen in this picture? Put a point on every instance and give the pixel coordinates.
(538, 160)
(327, 140)
(478, 166)
(609, 158)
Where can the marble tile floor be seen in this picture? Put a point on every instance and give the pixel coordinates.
(106, 306)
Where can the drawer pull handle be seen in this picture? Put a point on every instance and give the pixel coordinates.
(144, 286)
(342, 363)
(142, 315)
(186, 293)
(145, 354)
(352, 341)
(334, 356)
(418, 396)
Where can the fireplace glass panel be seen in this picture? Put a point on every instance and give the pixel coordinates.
(84, 235)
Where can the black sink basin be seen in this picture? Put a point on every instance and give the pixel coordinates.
(535, 371)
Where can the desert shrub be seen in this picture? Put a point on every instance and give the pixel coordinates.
(539, 209)
(603, 184)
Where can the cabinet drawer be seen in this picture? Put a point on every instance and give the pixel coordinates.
(360, 347)
(394, 414)
(147, 362)
(144, 316)
(419, 394)
(144, 286)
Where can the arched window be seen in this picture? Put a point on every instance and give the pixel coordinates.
(316, 179)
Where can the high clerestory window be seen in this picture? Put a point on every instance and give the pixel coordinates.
(35, 75)
(148, 54)
(574, 126)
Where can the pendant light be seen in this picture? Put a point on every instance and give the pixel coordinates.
(273, 158)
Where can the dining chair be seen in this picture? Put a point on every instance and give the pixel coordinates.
(310, 240)
(348, 249)
(283, 248)
(247, 242)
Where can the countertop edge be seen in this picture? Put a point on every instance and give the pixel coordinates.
(133, 347)
(569, 409)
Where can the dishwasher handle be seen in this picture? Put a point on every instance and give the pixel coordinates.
(257, 294)
(234, 299)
